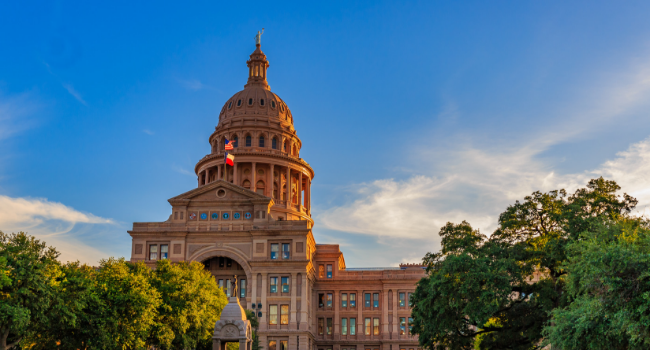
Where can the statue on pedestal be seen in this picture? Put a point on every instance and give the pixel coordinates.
(258, 37)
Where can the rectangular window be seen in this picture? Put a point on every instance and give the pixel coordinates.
(402, 299)
(284, 314)
(320, 326)
(274, 251)
(410, 295)
(344, 300)
(353, 300)
(329, 271)
(284, 344)
(221, 284)
(344, 326)
(272, 345)
(329, 299)
(274, 284)
(321, 300)
(375, 326)
(242, 289)
(375, 300)
(353, 326)
(321, 271)
(402, 325)
(164, 250)
(367, 296)
(285, 284)
(367, 325)
(411, 325)
(228, 287)
(329, 326)
(153, 252)
(286, 253)
(273, 314)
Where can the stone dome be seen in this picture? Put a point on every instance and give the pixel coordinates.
(233, 310)
(257, 101)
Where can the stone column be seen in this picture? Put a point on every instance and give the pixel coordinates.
(288, 190)
(308, 196)
(336, 322)
(218, 172)
(304, 321)
(299, 191)
(294, 287)
(216, 344)
(207, 176)
(361, 326)
(384, 316)
(263, 321)
(242, 344)
(272, 185)
(395, 316)
(253, 179)
(254, 291)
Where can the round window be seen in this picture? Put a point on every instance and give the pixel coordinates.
(247, 215)
(225, 216)
(204, 216)
(214, 216)
(236, 215)
(221, 193)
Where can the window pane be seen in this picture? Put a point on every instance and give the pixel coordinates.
(375, 327)
(367, 326)
(353, 301)
(286, 254)
(410, 295)
(402, 325)
(262, 139)
(375, 300)
(274, 285)
(274, 251)
(329, 299)
(228, 286)
(153, 252)
(329, 326)
(410, 325)
(353, 326)
(273, 314)
(221, 284)
(344, 326)
(320, 326)
(402, 299)
(321, 271)
(164, 251)
(321, 301)
(272, 345)
(344, 300)
(367, 296)
(285, 284)
(329, 271)
(284, 313)
(242, 289)
(283, 344)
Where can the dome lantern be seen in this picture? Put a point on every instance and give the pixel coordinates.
(257, 66)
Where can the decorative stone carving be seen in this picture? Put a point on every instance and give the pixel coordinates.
(230, 331)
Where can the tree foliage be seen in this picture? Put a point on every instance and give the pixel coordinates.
(498, 292)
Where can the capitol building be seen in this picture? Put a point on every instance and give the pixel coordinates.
(253, 220)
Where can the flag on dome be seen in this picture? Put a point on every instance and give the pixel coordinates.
(229, 159)
(229, 145)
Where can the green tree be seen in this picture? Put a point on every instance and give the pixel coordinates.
(191, 304)
(608, 283)
(27, 290)
(497, 292)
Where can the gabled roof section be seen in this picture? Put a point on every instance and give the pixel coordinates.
(209, 192)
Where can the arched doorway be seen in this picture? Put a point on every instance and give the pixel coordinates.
(224, 263)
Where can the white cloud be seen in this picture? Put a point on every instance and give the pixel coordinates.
(74, 93)
(183, 171)
(55, 223)
(14, 114)
(148, 132)
(192, 84)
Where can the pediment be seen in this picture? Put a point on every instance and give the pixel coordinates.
(218, 191)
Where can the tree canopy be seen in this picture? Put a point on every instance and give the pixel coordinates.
(499, 292)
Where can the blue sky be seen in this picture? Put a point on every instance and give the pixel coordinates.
(412, 114)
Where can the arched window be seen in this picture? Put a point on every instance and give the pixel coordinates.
(238, 102)
(262, 102)
(260, 187)
(286, 146)
(250, 101)
(275, 190)
(246, 184)
(229, 104)
(262, 141)
(272, 103)
(236, 141)
(248, 140)
(274, 143)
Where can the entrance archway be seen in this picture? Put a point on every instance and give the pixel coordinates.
(224, 263)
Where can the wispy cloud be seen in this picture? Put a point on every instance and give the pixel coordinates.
(15, 113)
(55, 223)
(192, 84)
(74, 93)
(183, 171)
(148, 132)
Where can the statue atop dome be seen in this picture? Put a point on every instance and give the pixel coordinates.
(258, 37)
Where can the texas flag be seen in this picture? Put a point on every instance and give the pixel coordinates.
(229, 145)
(229, 159)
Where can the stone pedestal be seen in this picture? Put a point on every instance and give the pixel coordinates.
(232, 327)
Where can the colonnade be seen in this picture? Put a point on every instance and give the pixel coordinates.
(221, 172)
